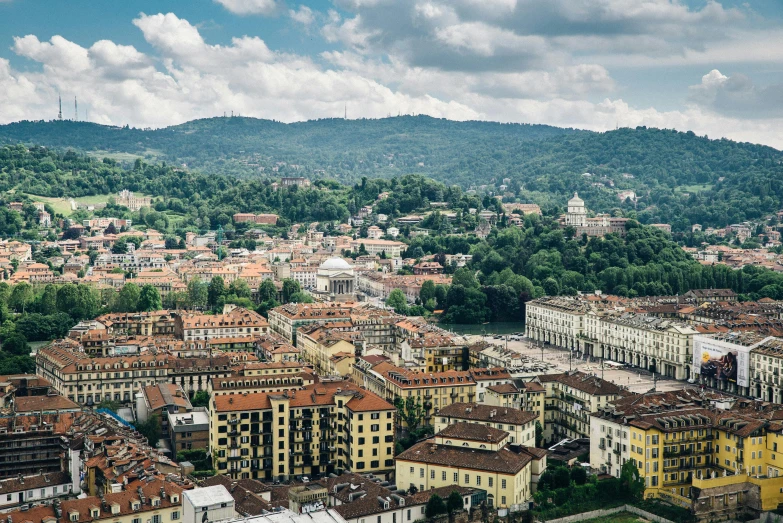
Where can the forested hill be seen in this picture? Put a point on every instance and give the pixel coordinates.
(680, 178)
(340, 149)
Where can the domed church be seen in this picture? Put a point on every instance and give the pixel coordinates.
(336, 280)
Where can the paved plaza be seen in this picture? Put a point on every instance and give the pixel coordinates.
(634, 379)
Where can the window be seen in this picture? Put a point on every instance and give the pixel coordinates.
(502, 483)
(411, 470)
(136, 520)
(432, 474)
(478, 480)
(502, 500)
(156, 518)
(443, 476)
(175, 515)
(467, 479)
(456, 478)
(421, 473)
(490, 480)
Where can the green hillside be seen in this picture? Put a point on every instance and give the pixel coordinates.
(679, 178)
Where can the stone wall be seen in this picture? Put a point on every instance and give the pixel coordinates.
(608, 512)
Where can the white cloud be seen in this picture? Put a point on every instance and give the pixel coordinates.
(250, 7)
(185, 77)
(738, 95)
(304, 15)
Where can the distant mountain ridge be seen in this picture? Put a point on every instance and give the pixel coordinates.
(675, 175)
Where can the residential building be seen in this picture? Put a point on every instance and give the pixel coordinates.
(286, 319)
(325, 428)
(232, 323)
(388, 248)
(375, 502)
(189, 430)
(472, 455)
(330, 350)
(38, 488)
(520, 424)
(715, 455)
(570, 399)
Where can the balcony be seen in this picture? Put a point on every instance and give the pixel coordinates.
(234, 421)
(602, 446)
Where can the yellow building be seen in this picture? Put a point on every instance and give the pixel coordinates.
(529, 396)
(520, 425)
(716, 455)
(328, 427)
(321, 344)
(472, 455)
(155, 501)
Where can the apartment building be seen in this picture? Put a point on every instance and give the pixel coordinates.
(715, 455)
(380, 504)
(194, 374)
(286, 319)
(527, 396)
(472, 455)
(88, 381)
(570, 398)
(157, 501)
(232, 323)
(559, 321)
(330, 351)
(658, 344)
(260, 376)
(520, 425)
(324, 428)
(389, 248)
(433, 390)
(155, 323)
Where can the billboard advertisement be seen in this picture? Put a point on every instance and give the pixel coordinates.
(721, 360)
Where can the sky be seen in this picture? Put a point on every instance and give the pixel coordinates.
(714, 67)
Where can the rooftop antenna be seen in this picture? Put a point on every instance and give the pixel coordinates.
(346, 111)
(60, 100)
(75, 110)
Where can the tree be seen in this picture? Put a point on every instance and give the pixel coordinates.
(435, 506)
(200, 399)
(427, 291)
(15, 345)
(454, 502)
(149, 299)
(290, 287)
(579, 475)
(197, 293)
(631, 482)
(21, 297)
(539, 434)
(150, 429)
(411, 412)
(216, 290)
(301, 297)
(128, 298)
(397, 301)
(240, 288)
(48, 303)
(267, 291)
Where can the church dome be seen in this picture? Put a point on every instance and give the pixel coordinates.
(576, 201)
(335, 264)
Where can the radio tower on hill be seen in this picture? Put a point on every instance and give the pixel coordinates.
(60, 114)
(75, 110)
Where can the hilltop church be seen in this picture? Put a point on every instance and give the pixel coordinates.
(600, 225)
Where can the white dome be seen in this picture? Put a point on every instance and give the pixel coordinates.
(335, 264)
(576, 200)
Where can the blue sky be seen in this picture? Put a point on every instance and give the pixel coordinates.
(714, 67)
